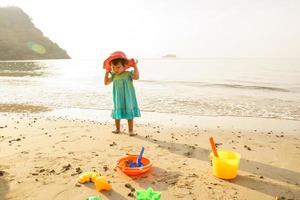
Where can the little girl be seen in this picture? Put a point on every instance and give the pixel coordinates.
(124, 98)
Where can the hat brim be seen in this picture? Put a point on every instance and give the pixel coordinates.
(106, 63)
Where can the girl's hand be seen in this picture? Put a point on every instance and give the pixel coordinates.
(135, 63)
(107, 79)
(136, 74)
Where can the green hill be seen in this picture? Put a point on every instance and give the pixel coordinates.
(21, 40)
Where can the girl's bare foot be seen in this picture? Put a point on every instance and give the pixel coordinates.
(116, 131)
(131, 133)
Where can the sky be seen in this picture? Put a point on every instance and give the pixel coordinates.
(153, 28)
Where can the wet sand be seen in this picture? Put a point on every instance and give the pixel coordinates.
(42, 157)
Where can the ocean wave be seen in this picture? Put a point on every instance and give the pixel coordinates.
(224, 85)
(251, 87)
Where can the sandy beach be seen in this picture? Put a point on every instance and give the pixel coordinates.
(213, 86)
(43, 156)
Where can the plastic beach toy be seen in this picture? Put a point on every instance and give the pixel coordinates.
(141, 166)
(94, 176)
(101, 183)
(213, 146)
(148, 194)
(93, 198)
(225, 164)
(138, 162)
(88, 177)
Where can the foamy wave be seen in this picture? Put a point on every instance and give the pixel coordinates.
(224, 85)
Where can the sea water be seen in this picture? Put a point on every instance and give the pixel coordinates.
(200, 87)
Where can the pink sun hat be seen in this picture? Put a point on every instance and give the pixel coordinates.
(118, 54)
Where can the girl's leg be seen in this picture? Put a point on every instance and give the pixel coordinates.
(117, 122)
(130, 127)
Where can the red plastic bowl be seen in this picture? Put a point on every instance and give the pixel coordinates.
(133, 171)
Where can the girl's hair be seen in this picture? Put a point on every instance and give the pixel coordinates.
(118, 60)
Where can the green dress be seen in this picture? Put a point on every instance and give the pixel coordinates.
(125, 103)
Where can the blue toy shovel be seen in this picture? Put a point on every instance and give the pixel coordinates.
(138, 162)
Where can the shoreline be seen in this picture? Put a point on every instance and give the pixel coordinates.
(178, 120)
(36, 147)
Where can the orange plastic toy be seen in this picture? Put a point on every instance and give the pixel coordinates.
(123, 165)
(101, 183)
(213, 146)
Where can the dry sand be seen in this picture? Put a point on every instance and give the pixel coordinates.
(41, 156)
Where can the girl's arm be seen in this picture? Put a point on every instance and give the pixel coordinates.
(136, 74)
(107, 80)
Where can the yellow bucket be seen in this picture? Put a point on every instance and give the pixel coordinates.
(226, 165)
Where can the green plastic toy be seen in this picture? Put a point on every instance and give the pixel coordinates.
(93, 198)
(148, 194)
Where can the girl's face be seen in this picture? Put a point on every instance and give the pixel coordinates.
(117, 68)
